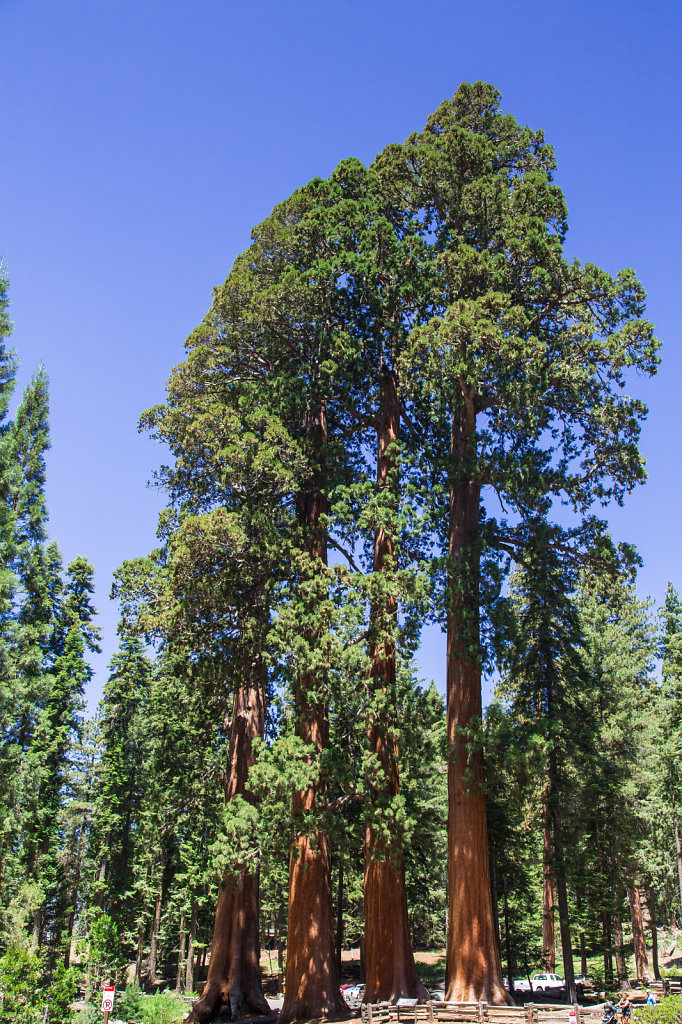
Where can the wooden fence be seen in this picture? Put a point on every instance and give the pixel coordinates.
(476, 1013)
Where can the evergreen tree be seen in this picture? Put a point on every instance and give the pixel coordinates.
(516, 385)
(618, 659)
(670, 738)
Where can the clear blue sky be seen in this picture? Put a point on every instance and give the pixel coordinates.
(142, 139)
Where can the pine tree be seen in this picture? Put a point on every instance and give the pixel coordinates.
(618, 659)
(671, 719)
(546, 688)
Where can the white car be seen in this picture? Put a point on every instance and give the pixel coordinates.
(546, 982)
(521, 985)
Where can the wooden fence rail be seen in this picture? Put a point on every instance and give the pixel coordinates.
(475, 1013)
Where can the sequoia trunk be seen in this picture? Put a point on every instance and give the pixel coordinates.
(474, 968)
(390, 971)
(233, 988)
(639, 942)
(312, 977)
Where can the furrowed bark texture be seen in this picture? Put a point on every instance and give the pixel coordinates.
(474, 968)
(390, 971)
(639, 942)
(233, 988)
(312, 978)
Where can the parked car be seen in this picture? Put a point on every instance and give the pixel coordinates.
(522, 985)
(546, 982)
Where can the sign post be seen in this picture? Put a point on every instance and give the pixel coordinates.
(107, 1001)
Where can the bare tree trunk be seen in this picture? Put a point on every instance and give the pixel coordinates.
(181, 953)
(312, 977)
(562, 896)
(389, 962)
(189, 970)
(154, 937)
(548, 940)
(639, 942)
(473, 958)
(234, 986)
(71, 920)
(607, 947)
(653, 923)
(140, 951)
(621, 969)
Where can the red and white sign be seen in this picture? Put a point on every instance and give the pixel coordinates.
(108, 998)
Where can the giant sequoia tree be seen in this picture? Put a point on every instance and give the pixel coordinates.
(420, 309)
(520, 380)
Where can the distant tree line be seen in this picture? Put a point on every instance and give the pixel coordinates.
(402, 408)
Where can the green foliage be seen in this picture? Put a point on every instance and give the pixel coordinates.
(162, 1008)
(104, 953)
(20, 973)
(90, 1014)
(129, 1003)
(60, 993)
(665, 1012)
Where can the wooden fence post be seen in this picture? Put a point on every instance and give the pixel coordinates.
(481, 1011)
(576, 1009)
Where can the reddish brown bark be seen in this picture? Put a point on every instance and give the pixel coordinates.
(312, 977)
(474, 968)
(639, 942)
(233, 988)
(390, 971)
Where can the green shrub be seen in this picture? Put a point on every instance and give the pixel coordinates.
(19, 979)
(662, 1013)
(129, 1003)
(60, 993)
(90, 1014)
(163, 1008)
